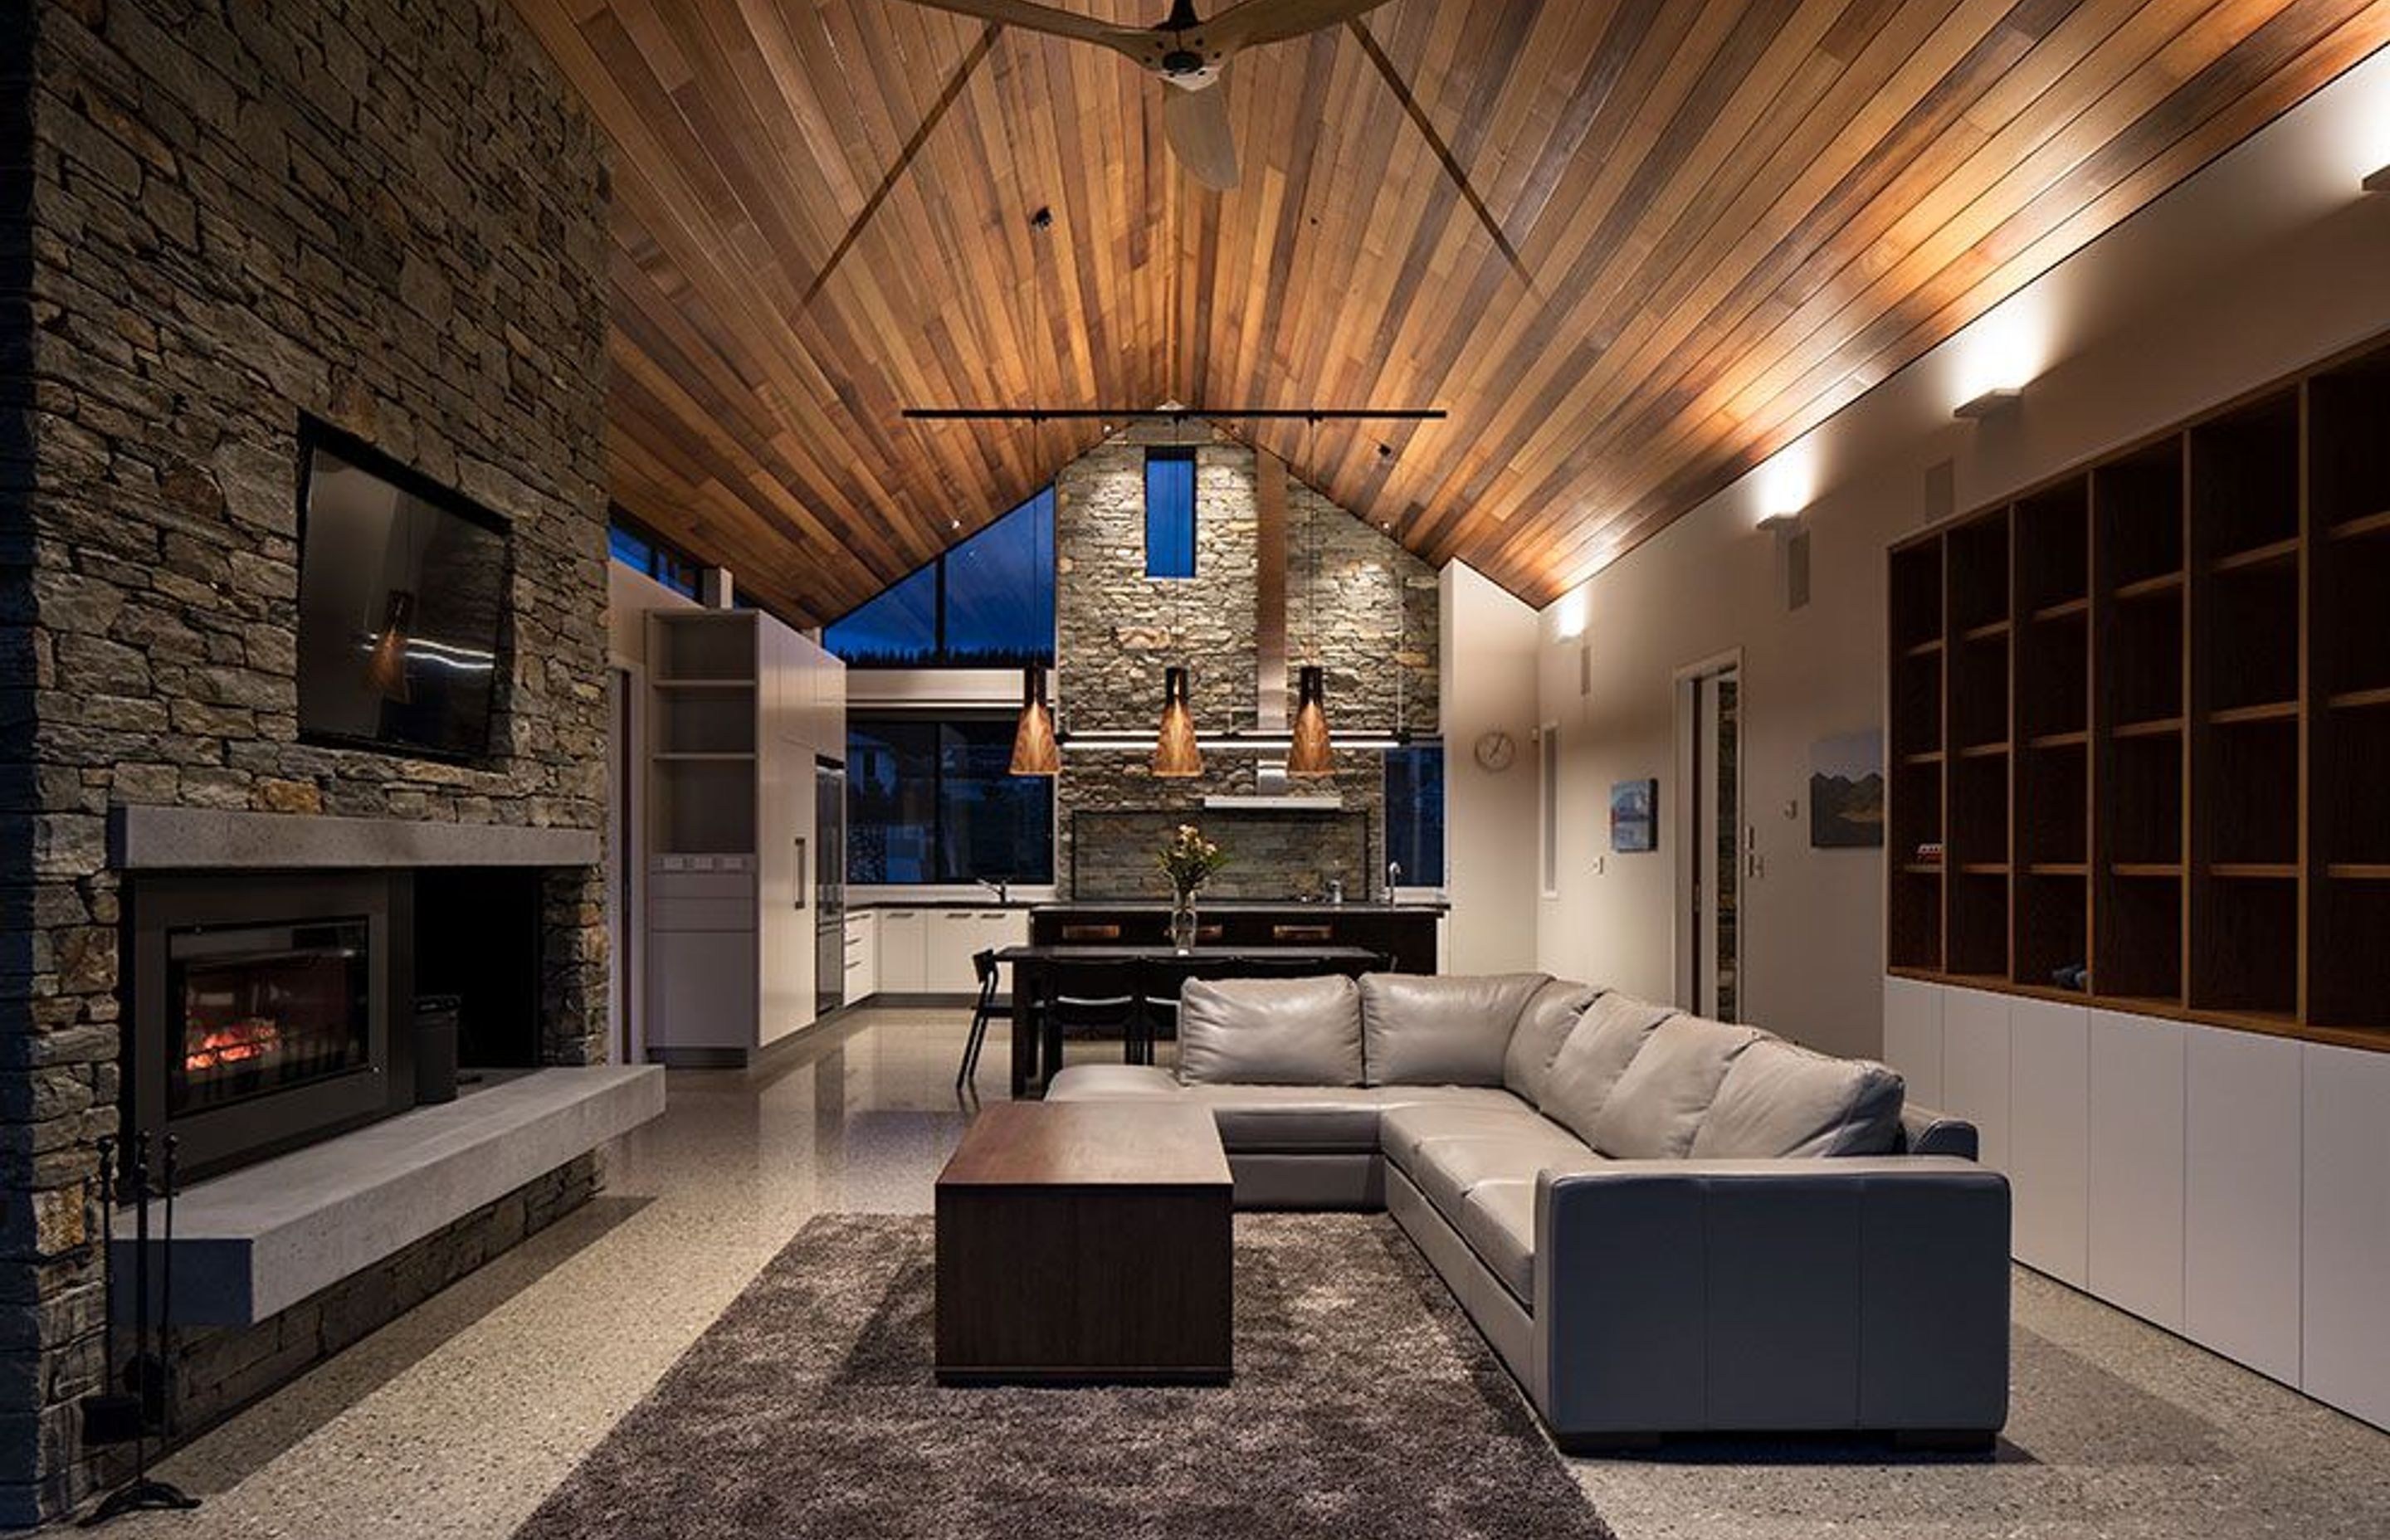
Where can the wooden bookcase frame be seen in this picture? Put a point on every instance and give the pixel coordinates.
(2144, 708)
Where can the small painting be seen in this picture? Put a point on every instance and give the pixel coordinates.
(1634, 816)
(1846, 791)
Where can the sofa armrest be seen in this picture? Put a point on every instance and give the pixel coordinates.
(1924, 1131)
(1862, 1293)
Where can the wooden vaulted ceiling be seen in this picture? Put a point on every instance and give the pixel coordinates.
(1728, 217)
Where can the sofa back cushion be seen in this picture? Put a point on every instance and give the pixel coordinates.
(1658, 1104)
(1782, 1099)
(1440, 1029)
(1543, 1027)
(1269, 1031)
(1605, 1041)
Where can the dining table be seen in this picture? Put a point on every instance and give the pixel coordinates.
(1036, 968)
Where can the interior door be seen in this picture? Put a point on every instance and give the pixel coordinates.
(1713, 840)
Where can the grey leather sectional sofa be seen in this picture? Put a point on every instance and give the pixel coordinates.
(1664, 1224)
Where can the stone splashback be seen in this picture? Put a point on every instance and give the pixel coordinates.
(386, 214)
(1372, 625)
(1278, 855)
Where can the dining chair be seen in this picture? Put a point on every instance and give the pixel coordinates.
(1090, 998)
(1159, 983)
(984, 965)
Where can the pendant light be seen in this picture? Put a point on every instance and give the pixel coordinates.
(1176, 756)
(1176, 753)
(1311, 753)
(1034, 751)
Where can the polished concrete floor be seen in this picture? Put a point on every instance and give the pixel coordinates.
(456, 1420)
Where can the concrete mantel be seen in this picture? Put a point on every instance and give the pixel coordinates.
(188, 839)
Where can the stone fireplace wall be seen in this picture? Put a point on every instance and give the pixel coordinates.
(1375, 629)
(225, 213)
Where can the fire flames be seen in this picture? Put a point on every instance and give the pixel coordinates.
(216, 1047)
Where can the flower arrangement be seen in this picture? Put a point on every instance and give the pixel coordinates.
(1189, 860)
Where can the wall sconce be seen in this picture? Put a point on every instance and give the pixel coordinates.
(1781, 525)
(2378, 182)
(1991, 404)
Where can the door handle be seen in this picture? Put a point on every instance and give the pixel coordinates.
(803, 887)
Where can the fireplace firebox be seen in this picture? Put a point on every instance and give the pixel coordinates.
(269, 1009)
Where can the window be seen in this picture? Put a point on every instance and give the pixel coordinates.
(643, 550)
(1169, 513)
(932, 799)
(987, 603)
(1415, 813)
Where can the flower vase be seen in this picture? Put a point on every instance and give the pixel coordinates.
(1182, 924)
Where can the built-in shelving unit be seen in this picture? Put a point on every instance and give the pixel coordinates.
(2141, 711)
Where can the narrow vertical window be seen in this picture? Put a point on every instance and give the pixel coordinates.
(1169, 513)
(1548, 787)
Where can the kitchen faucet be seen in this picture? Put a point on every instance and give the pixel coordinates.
(1000, 886)
(1393, 879)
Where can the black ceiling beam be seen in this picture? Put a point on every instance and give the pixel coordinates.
(1141, 413)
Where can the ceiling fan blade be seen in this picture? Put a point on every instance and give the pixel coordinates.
(1197, 123)
(1254, 22)
(1136, 42)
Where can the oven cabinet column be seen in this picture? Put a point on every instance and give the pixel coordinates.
(731, 858)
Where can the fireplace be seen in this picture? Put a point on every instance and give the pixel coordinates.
(268, 1010)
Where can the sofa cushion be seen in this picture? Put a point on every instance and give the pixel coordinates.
(1543, 1027)
(1497, 1219)
(1444, 1170)
(1401, 1130)
(1270, 1031)
(1658, 1104)
(1782, 1099)
(1595, 1054)
(1423, 1029)
(1308, 1119)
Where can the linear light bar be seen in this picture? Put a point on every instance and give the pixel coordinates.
(1227, 742)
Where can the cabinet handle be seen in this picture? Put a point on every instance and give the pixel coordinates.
(805, 889)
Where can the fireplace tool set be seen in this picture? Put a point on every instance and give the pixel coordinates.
(126, 1409)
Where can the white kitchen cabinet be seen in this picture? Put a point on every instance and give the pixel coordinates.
(1913, 1038)
(903, 951)
(954, 935)
(732, 856)
(862, 955)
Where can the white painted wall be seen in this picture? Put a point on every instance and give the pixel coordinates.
(1488, 661)
(2268, 259)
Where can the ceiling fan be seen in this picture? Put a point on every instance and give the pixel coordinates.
(1190, 55)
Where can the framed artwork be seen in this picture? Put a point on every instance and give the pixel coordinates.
(1846, 791)
(1635, 816)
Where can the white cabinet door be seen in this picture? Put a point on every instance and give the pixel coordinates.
(1913, 1038)
(785, 897)
(953, 937)
(701, 989)
(903, 951)
(862, 955)
(2135, 1157)
(1975, 1067)
(2346, 1272)
(2241, 1291)
(2049, 1130)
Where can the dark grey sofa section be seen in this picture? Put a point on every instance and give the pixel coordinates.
(1634, 1288)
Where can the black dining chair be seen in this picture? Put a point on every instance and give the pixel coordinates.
(1159, 983)
(1090, 998)
(984, 965)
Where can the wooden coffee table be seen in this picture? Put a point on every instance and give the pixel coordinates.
(1082, 1244)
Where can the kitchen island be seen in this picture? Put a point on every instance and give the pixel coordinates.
(1404, 933)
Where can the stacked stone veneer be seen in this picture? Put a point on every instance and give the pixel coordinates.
(1369, 618)
(216, 215)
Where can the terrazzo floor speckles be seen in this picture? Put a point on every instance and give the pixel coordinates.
(455, 1421)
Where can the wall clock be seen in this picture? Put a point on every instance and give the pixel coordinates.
(1497, 750)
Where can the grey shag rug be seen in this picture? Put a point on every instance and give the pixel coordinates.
(1364, 1405)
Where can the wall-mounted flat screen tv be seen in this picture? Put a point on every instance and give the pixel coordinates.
(402, 588)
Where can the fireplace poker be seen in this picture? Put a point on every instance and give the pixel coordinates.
(110, 1415)
(142, 1492)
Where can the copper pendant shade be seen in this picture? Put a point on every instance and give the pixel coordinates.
(1175, 753)
(386, 664)
(1034, 752)
(1311, 754)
